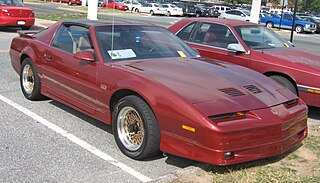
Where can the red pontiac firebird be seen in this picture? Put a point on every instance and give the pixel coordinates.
(257, 48)
(157, 93)
(13, 13)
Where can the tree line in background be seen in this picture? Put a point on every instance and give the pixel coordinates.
(303, 5)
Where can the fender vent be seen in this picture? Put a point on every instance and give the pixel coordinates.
(253, 89)
(233, 92)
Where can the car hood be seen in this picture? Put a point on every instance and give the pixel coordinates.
(229, 86)
(297, 56)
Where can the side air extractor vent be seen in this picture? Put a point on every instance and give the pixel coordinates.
(253, 89)
(233, 92)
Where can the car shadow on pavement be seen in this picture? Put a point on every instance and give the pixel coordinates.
(170, 159)
(92, 121)
(314, 113)
(15, 29)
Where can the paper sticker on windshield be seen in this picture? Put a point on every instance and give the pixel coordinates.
(121, 54)
(181, 54)
(286, 45)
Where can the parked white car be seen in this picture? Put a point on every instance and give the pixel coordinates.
(221, 8)
(172, 9)
(133, 6)
(243, 15)
(153, 9)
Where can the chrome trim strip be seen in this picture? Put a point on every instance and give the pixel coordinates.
(305, 88)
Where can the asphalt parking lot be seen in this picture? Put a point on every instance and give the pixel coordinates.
(46, 141)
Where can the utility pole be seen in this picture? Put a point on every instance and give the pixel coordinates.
(294, 19)
(255, 11)
(92, 10)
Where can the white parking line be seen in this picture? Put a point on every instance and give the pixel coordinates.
(76, 140)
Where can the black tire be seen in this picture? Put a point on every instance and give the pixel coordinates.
(25, 27)
(151, 139)
(299, 29)
(136, 10)
(269, 25)
(151, 12)
(35, 92)
(168, 13)
(197, 15)
(285, 82)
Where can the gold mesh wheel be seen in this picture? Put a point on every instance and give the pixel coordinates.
(130, 128)
(28, 79)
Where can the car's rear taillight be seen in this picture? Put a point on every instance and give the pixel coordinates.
(4, 12)
(32, 14)
(158, 8)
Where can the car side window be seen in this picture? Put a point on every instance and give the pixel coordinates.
(287, 17)
(185, 33)
(73, 39)
(216, 35)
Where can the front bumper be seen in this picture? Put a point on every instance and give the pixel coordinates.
(245, 140)
(309, 29)
(16, 21)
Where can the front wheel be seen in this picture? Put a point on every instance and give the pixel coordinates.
(285, 82)
(29, 81)
(269, 25)
(299, 29)
(135, 128)
(151, 12)
(168, 13)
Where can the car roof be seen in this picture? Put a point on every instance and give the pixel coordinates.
(228, 22)
(87, 23)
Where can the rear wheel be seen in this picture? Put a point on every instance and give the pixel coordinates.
(151, 12)
(168, 13)
(136, 10)
(135, 128)
(285, 82)
(29, 81)
(299, 29)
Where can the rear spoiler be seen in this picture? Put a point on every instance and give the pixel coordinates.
(27, 33)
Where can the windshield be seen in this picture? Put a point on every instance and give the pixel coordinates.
(259, 37)
(131, 42)
(11, 3)
(246, 12)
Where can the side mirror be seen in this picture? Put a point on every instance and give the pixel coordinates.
(237, 48)
(85, 55)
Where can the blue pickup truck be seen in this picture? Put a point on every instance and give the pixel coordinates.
(273, 20)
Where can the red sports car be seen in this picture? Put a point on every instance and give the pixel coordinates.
(115, 4)
(157, 93)
(257, 48)
(13, 13)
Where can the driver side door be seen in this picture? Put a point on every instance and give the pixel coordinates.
(215, 45)
(68, 78)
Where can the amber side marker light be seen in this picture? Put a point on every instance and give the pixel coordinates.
(188, 128)
(313, 91)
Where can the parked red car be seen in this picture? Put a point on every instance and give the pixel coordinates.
(71, 2)
(115, 4)
(257, 48)
(14, 13)
(157, 93)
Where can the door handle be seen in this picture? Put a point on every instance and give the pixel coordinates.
(47, 57)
